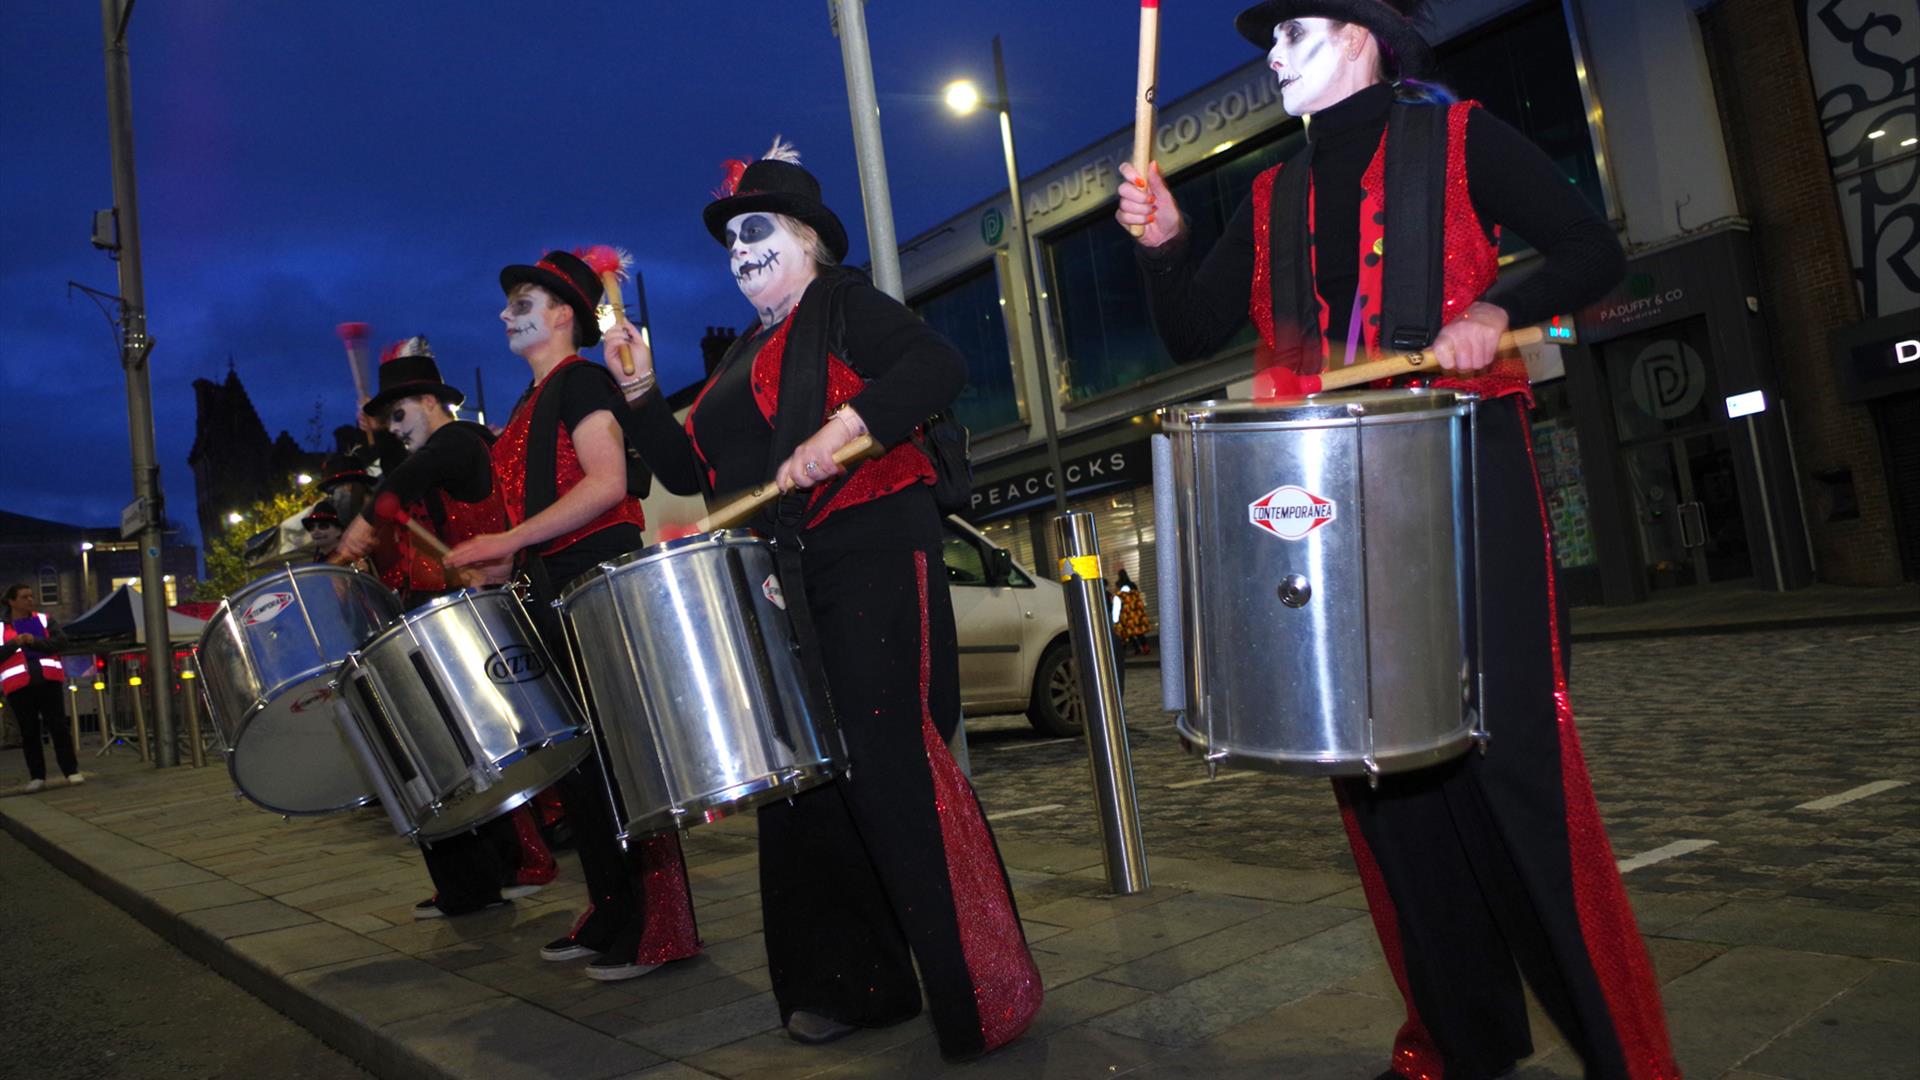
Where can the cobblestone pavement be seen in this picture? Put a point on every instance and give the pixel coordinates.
(1715, 738)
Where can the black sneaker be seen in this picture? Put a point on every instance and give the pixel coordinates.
(617, 962)
(577, 944)
(430, 909)
(813, 1029)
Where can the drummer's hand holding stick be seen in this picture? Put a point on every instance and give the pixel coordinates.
(841, 442)
(624, 344)
(603, 459)
(356, 543)
(1147, 205)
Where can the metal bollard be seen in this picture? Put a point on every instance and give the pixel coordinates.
(140, 716)
(1098, 668)
(188, 698)
(73, 714)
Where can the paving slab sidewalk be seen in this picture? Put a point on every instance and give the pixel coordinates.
(1222, 971)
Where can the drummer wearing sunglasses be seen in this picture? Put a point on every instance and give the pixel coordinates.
(865, 877)
(561, 468)
(1381, 234)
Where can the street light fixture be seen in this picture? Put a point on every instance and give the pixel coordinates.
(234, 518)
(963, 97)
(304, 479)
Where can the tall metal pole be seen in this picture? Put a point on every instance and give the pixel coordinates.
(1085, 586)
(134, 348)
(850, 22)
(1031, 277)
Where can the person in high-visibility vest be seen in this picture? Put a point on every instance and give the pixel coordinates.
(31, 677)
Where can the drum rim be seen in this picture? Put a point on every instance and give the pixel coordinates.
(227, 606)
(658, 550)
(1411, 403)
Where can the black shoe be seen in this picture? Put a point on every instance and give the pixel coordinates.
(566, 949)
(813, 1029)
(430, 909)
(589, 937)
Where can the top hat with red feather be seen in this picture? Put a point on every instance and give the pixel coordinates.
(323, 514)
(567, 278)
(775, 183)
(1406, 52)
(407, 370)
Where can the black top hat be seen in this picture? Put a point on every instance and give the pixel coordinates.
(407, 370)
(337, 469)
(776, 183)
(1407, 54)
(566, 277)
(324, 514)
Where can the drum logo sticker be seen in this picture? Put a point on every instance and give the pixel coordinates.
(324, 694)
(770, 588)
(266, 608)
(1290, 512)
(514, 664)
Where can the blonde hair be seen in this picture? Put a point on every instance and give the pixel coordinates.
(809, 240)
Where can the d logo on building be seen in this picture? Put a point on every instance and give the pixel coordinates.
(1290, 512)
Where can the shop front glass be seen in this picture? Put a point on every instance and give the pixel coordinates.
(1677, 456)
(968, 313)
(1563, 479)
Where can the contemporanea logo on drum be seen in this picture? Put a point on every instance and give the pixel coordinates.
(515, 664)
(1290, 512)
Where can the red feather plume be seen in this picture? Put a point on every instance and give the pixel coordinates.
(352, 331)
(733, 171)
(605, 259)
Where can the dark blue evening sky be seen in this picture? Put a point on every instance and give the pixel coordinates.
(305, 164)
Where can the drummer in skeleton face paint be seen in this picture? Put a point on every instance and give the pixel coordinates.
(445, 482)
(1487, 865)
(562, 469)
(866, 876)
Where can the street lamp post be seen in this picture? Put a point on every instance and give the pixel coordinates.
(86, 573)
(963, 98)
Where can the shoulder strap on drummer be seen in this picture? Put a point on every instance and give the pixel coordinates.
(1413, 280)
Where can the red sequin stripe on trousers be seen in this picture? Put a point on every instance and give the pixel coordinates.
(1614, 945)
(536, 861)
(1260, 304)
(1415, 1055)
(1006, 984)
(670, 932)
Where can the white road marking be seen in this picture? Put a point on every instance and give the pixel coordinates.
(1862, 637)
(1005, 814)
(1663, 853)
(1798, 649)
(1909, 630)
(1203, 781)
(1031, 745)
(1851, 795)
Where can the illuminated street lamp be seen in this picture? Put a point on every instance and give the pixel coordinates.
(963, 97)
(304, 479)
(234, 518)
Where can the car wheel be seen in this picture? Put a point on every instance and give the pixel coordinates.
(1055, 708)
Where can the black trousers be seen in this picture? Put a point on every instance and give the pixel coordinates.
(468, 869)
(39, 705)
(894, 862)
(1494, 867)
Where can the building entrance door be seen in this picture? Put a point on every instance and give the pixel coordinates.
(1677, 457)
(1687, 510)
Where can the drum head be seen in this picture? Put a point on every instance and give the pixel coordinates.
(521, 780)
(288, 755)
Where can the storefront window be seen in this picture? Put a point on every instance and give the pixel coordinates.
(968, 313)
(1098, 298)
(1556, 451)
(1658, 380)
(1523, 72)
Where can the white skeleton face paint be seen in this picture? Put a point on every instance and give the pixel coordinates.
(767, 260)
(1306, 58)
(325, 538)
(407, 419)
(526, 318)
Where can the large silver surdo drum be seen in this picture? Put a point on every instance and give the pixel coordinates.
(698, 694)
(266, 661)
(458, 714)
(1317, 571)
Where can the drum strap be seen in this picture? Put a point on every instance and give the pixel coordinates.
(1296, 331)
(817, 328)
(1412, 282)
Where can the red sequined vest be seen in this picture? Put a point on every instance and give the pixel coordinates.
(1472, 261)
(510, 467)
(418, 570)
(896, 470)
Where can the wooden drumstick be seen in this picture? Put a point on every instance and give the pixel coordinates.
(611, 263)
(1146, 88)
(387, 507)
(1286, 384)
(743, 507)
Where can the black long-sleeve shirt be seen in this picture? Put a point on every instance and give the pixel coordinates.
(1512, 183)
(911, 372)
(454, 459)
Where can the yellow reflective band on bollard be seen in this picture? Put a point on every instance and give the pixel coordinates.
(1085, 567)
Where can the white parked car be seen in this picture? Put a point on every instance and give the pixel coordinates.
(1015, 655)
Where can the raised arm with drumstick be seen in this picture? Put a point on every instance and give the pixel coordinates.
(1380, 236)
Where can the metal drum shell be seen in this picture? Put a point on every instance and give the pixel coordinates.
(698, 695)
(463, 712)
(1370, 668)
(266, 662)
